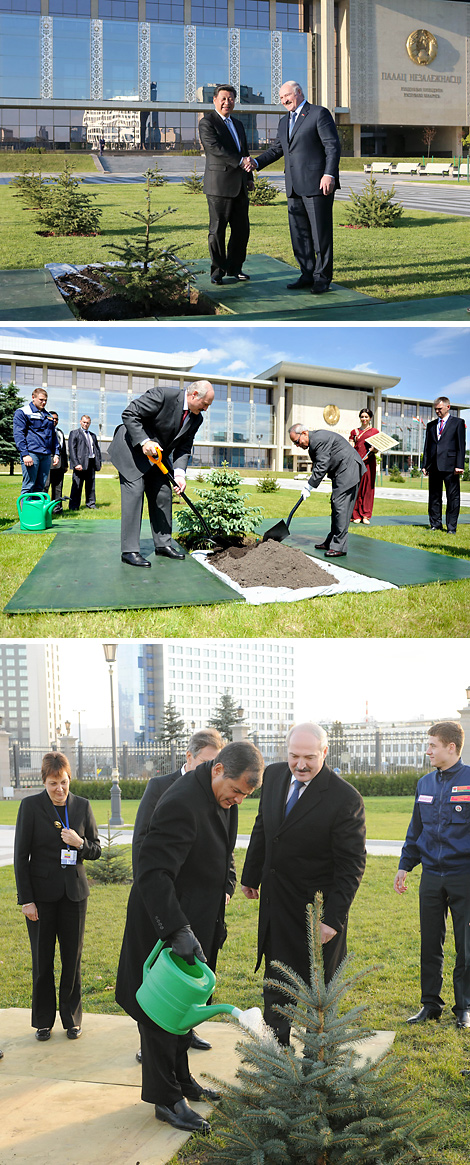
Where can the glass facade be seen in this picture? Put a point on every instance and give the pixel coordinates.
(166, 65)
(71, 59)
(255, 67)
(120, 60)
(165, 11)
(20, 63)
(212, 59)
(210, 12)
(294, 58)
(252, 13)
(119, 9)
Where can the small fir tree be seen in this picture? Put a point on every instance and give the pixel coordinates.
(10, 401)
(317, 1103)
(223, 508)
(225, 715)
(171, 726)
(268, 484)
(194, 184)
(29, 185)
(68, 209)
(112, 867)
(264, 192)
(156, 176)
(374, 206)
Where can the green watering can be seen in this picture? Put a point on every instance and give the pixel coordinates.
(35, 511)
(174, 993)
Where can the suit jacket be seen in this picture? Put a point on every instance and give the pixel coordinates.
(449, 452)
(313, 150)
(155, 416)
(79, 449)
(223, 174)
(319, 846)
(182, 874)
(63, 459)
(39, 874)
(331, 454)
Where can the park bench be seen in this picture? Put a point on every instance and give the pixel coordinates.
(380, 167)
(464, 170)
(442, 168)
(405, 168)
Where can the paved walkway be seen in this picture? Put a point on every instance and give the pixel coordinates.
(64, 1103)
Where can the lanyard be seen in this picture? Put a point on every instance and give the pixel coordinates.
(66, 826)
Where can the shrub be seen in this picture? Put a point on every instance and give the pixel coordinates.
(223, 508)
(190, 153)
(194, 184)
(112, 867)
(384, 784)
(156, 176)
(374, 207)
(263, 193)
(131, 790)
(395, 475)
(29, 184)
(268, 484)
(68, 209)
(415, 472)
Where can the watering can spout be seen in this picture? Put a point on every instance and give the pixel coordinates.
(199, 1012)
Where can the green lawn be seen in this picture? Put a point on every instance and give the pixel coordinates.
(426, 254)
(390, 614)
(383, 933)
(52, 162)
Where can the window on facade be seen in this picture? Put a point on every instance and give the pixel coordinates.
(409, 411)
(114, 382)
(240, 392)
(262, 396)
(69, 7)
(220, 392)
(119, 9)
(59, 377)
(290, 17)
(209, 12)
(26, 375)
(20, 5)
(88, 379)
(394, 408)
(425, 412)
(165, 11)
(5, 373)
(141, 384)
(252, 13)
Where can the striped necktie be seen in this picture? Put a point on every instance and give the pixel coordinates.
(292, 120)
(294, 796)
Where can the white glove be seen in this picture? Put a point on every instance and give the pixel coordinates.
(180, 478)
(306, 491)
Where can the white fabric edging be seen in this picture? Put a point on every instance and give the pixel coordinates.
(348, 580)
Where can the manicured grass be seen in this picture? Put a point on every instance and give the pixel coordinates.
(391, 614)
(425, 254)
(51, 162)
(383, 933)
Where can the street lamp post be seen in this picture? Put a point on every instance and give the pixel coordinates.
(110, 650)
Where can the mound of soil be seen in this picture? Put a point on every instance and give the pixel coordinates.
(91, 300)
(270, 564)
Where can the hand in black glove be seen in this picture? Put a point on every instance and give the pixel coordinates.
(185, 944)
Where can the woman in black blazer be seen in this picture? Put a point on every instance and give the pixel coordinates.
(55, 831)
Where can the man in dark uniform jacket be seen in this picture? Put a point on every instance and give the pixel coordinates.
(179, 896)
(309, 836)
(57, 474)
(85, 461)
(333, 456)
(444, 463)
(309, 141)
(226, 185)
(165, 419)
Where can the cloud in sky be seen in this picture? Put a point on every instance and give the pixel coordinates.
(236, 366)
(458, 390)
(440, 341)
(366, 367)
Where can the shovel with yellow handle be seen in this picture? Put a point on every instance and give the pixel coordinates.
(158, 461)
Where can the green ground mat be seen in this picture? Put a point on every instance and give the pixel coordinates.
(82, 571)
(412, 520)
(404, 566)
(31, 295)
(266, 292)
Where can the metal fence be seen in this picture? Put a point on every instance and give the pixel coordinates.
(368, 750)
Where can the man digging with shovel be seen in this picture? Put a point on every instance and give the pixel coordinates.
(332, 455)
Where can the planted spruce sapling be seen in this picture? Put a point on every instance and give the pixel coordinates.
(224, 510)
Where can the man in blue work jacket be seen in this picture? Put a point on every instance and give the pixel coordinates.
(439, 837)
(36, 440)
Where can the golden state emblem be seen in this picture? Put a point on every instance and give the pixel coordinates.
(331, 414)
(421, 46)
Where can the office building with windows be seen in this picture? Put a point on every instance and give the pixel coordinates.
(141, 72)
(30, 708)
(247, 425)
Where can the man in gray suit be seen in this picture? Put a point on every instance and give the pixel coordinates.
(165, 420)
(332, 454)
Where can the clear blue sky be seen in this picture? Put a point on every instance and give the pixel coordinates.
(429, 360)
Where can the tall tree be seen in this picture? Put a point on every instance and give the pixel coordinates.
(225, 715)
(172, 725)
(10, 401)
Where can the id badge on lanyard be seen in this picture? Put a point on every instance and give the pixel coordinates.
(68, 857)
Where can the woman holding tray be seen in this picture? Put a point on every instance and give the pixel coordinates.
(358, 438)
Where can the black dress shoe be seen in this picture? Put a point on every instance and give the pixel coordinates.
(436, 527)
(169, 552)
(43, 1033)
(426, 1012)
(138, 1056)
(299, 283)
(240, 275)
(133, 558)
(320, 288)
(181, 1116)
(335, 554)
(199, 1045)
(462, 1019)
(321, 545)
(194, 1091)
(216, 279)
(74, 1033)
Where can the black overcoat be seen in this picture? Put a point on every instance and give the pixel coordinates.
(182, 874)
(39, 874)
(319, 846)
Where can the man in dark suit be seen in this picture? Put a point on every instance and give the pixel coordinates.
(179, 897)
(309, 141)
(165, 419)
(444, 463)
(57, 474)
(226, 185)
(331, 454)
(85, 461)
(309, 836)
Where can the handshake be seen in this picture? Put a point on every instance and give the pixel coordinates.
(249, 165)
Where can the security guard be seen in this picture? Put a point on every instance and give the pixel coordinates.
(439, 837)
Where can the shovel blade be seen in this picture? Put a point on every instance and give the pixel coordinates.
(277, 533)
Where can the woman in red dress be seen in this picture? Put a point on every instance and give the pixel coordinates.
(365, 499)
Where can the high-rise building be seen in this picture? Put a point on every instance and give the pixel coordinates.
(193, 674)
(30, 706)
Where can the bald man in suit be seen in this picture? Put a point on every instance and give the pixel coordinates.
(332, 456)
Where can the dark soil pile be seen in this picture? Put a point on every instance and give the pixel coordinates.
(270, 564)
(90, 300)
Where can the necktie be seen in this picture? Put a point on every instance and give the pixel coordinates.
(292, 118)
(183, 418)
(441, 426)
(294, 796)
(233, 131)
